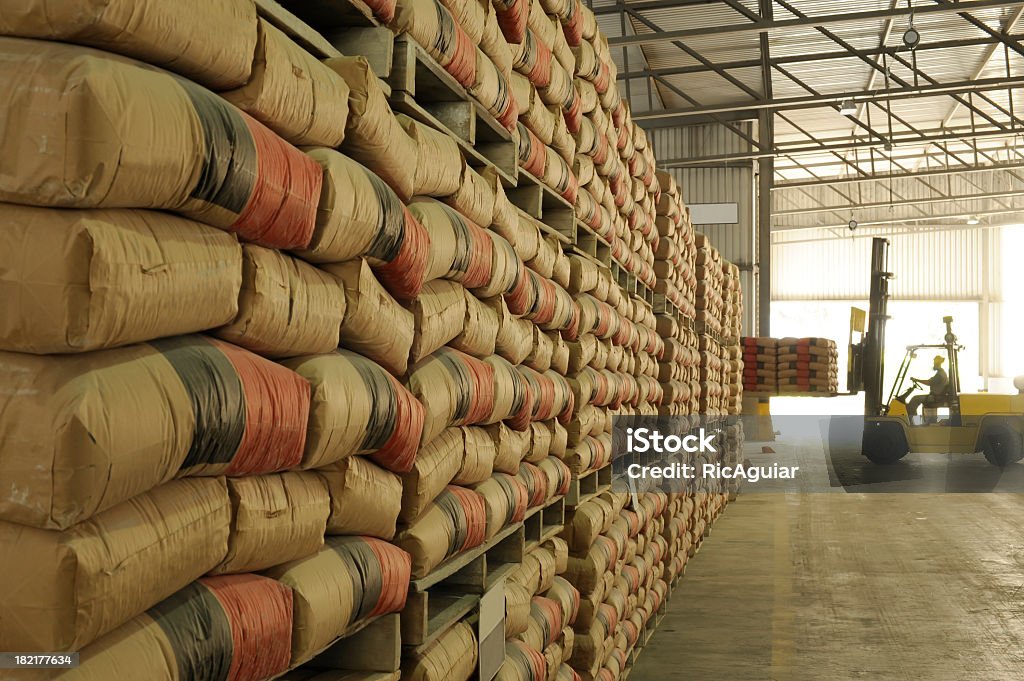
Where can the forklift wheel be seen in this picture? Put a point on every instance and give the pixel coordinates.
(884, 443)
(1002, 445)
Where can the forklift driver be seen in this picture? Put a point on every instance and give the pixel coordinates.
(937, 385)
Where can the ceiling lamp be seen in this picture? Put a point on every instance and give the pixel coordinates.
(973, 220)
(847, 107)
(911, 37)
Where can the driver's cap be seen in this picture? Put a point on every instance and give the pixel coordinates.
(940, 359)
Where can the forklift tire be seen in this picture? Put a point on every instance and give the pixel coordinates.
(884, 443)
(1002, 445)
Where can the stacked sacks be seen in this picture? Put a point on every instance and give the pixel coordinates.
(145, 402)
(710, 304)
(619, 190)
(808, 365)
(221, 166)
(540, 608)
(349, 581)
(612, 365)
(452, 656)
(710, 280)
(676, 254)
(678, 369)
(617, 561)
(236, 626)
(675, 294)
(732, 313)
(760, 364)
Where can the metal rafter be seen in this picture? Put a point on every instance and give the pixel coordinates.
(902, 202)
(879, 68)
(936, 217)
(814, 21)
(842, 143)
(820, 182)
(1011, 23)
(807, 57)
(833, 99)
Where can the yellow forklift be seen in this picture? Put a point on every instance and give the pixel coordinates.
(954, 422)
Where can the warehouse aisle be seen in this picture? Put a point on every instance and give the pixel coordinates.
(847, 586)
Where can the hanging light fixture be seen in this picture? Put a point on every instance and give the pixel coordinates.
(911, 37)
(847, 107)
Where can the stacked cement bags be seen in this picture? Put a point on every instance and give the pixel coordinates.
(676, 255)
(760, 364)
(233, 626)
(258, 186)
(454, 522)
(808, 365)
(732, 311)
(145, 456)
(350, 580)
(66, 588)
(624, 554)
(451, 657)
(210, 43)
(540, 607)
(115, 423)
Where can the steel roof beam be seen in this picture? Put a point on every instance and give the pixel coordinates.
(832, 99)
(840, 144)
(894, 220)
(811, 57)
(649, 5)
(960, 170)
(899, 203)
(765, 25)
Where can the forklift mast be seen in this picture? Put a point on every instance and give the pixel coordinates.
(872, 351)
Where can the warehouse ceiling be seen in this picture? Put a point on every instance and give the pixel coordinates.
(859, 126)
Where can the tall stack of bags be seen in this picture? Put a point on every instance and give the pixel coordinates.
(719, 309)
(619, 560)
(808, 365)
(732, 352)
(199, 432)
(540, 609)
(542, 83)
(675, 266)
(760, 364)
(272, 351)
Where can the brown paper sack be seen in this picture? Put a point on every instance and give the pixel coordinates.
(276, 518)
(365, 498)
(68, 588)
(286, 308)
(78, 280)
(375, 325)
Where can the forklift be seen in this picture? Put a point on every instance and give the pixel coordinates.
(954, 422)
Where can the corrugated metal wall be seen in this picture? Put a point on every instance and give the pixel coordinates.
(737, 243)
(941, 264)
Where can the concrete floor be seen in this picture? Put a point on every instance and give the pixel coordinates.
(810, 586)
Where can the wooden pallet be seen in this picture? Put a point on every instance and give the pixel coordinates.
(542, 203)
(453, 590)
(591, 244)
(371, 41)
(544, 522)
(329, 16)
(422, 89)
(585, 487)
